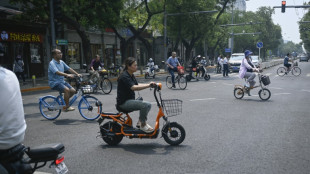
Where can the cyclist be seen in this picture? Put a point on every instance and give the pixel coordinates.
(286, 62)
(94, 67)
(173, 64)
(244, 73)
(127, 85)
(151, 65)
(56, 74)
(12, 121)
(203, 63)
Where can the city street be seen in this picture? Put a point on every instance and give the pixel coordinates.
(223, 134)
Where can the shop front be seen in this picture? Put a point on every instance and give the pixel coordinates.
(23, 41)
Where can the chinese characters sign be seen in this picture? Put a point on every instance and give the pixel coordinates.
(20, 37)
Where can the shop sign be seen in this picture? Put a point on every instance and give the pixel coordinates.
(20, 37)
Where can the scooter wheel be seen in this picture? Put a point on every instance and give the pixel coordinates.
(173, 133)
(207, 77)
(108, 130)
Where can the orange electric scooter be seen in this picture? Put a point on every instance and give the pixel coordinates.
(120, 124)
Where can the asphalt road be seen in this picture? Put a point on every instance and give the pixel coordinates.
(223, 134)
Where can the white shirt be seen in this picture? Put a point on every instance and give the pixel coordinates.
(225, 61)
(12, 118)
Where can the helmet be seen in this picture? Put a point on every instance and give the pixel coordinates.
(204, 57)
(151, 60)
(247, 53)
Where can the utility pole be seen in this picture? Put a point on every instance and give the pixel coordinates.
(232, 29)
(52, 25)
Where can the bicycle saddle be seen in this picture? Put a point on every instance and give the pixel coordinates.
(45, 152)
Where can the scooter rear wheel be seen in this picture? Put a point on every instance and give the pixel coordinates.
(108, 137)
(174, 134)
(207, 77)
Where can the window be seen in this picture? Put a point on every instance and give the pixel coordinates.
(73, 55)
(34, 53)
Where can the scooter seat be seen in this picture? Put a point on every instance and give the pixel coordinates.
(110, 113)
(46, 152)
(121, 110)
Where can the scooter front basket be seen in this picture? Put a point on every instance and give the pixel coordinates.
(172, 107)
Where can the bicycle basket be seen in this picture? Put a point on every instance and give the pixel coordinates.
(265, 80)
(172, 107)
(87, 89)
(180, 70)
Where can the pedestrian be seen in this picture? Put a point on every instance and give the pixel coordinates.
(18, 68)
(225, 66)
(56, 74)
(219, 67)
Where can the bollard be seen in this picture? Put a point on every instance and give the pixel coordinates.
(33, 80)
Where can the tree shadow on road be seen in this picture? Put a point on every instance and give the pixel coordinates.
(148, 148)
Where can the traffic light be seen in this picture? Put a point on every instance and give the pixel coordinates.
(57, 9)
(283, 6)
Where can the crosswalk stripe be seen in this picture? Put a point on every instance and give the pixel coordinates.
(308, 75)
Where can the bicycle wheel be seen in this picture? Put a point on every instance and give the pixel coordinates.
(106, 86)
(50, 107)
(238, 93)
(281, 71)
(88, 108)
(182, 82)
(169, 82)
(296, 71)
(264, 94)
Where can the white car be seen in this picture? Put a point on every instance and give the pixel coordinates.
(236, 58)
(235, 61)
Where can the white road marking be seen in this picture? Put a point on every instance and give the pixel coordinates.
(275, 88)
(305, 90)
(308, 75)
(202, 99)
(268, 74)
(229, 84)
(282, 94)
(153, 103)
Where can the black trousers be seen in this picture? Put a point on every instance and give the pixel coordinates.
(20, 74)
(225, 72)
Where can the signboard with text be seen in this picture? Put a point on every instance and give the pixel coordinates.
(20, 37)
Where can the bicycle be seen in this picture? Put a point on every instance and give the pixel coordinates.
(51, 106)
(112, 132)
(180, 79)
(295, 70)
(264, 93)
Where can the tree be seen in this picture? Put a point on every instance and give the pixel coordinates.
(304, 30)
(136, 17)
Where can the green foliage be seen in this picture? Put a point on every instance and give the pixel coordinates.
(304, 29)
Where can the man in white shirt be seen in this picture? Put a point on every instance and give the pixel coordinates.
(225, 66)
(12, 118)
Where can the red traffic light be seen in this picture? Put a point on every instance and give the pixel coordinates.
(283, 6)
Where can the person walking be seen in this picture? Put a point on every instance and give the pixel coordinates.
(18, 68)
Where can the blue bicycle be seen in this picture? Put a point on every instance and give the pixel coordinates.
(51, 106)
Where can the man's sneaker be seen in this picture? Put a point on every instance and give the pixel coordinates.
(68, 109)
(173, 86)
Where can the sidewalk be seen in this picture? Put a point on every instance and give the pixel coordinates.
(42, 83)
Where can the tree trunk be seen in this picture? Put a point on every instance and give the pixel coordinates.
(82, 33)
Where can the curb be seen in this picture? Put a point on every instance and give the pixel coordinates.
(47, 87)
